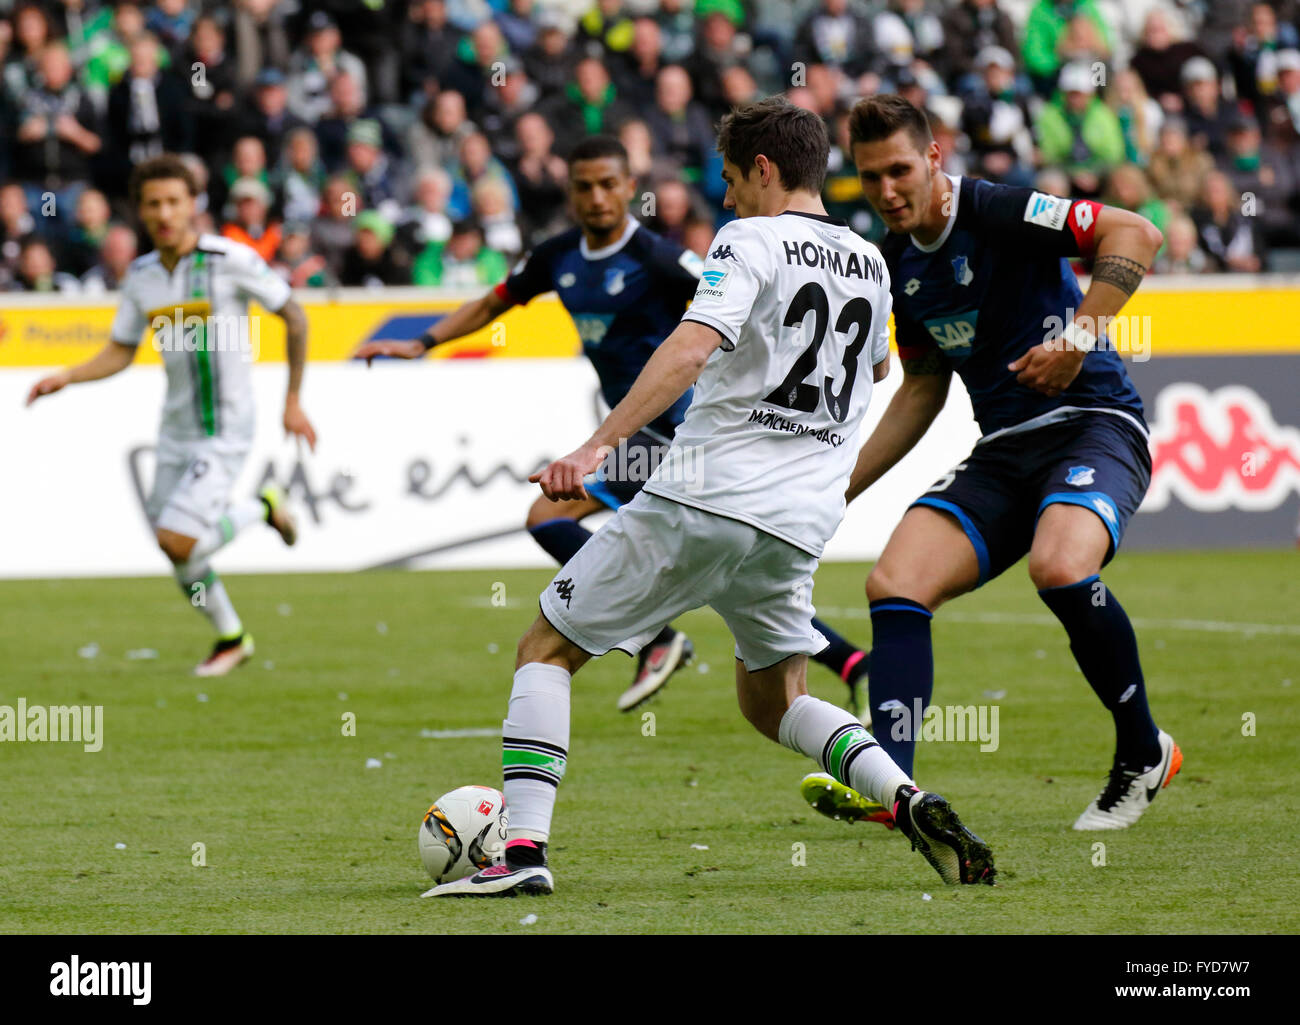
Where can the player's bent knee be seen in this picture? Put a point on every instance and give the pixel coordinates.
(883, 582)
(1058, 569)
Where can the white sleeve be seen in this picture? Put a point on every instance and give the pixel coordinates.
(880, 325)
(738, 266)
(129, 322)
(255, 280)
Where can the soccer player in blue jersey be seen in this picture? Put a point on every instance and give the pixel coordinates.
(626, 289)
(982, 287)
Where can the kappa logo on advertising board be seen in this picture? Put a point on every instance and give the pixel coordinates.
(1220, 450)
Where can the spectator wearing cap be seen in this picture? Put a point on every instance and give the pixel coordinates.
(1263, 172)
(834, 33)
(1177, 169)
(463, 261)
(313, 66)
(146, 114)
(605, 29)
(371, 261)
(1251, 58)
(379, 180)
(434, 139)
(250, 223)
(333, 230)
(640, 65)
(719, 45)
(550, 61)
(1046, 33)
(1206, 113)
(296, 262)
(347, 107)
(258, 38)
(56, 136)
(1181, 253)
(116, 252)
(270, 118)
(679, 126)
(589, 105)
(1139, 115)
(1279, 112)
(1160, 59)
(300, 176)
(997, 120)
(211, 93)
(1078, 132)
(970, 27)
(1232, 241)
(541, 178)
(506, 104)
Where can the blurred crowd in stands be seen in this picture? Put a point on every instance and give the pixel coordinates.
(393, 142)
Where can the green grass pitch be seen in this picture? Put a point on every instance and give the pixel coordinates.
(300, 836)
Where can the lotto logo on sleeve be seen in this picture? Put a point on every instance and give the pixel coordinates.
(1047, 211)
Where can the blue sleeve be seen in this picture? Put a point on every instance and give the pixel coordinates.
(1036, 221)
(532, 275)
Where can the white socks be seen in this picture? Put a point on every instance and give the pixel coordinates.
(207, 593)
(835, 740)
(534, 746)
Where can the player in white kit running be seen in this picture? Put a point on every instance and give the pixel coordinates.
(191, 295)
(787, 332)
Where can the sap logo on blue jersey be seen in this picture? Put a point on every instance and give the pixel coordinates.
(1080, 476)
(614, 281)
(961, 270)
(722, 253)
(592, 327)
(955, 333)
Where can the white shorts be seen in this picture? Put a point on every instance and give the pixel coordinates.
(192, 482)
(657, 559)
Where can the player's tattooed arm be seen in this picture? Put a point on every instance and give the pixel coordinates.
(295, 330)
(1120, 271)
(932, 363)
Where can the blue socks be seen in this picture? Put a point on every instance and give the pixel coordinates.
(560, 538)
(1104, 645)
(902, 670)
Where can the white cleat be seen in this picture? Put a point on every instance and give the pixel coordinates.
(226, 655)
(499, 881)
(1129, 792)
(658, 662)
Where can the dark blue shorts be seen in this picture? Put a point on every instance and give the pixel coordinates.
(623, 474)
(1098, 460)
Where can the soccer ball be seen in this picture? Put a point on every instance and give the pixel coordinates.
(464, 831)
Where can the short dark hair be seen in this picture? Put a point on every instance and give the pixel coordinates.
(878, 117)
(792, 138)
(597, 147)
(163, 166)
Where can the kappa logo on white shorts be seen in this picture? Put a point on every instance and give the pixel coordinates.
(1047, 211)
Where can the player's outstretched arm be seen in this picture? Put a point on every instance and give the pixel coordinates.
(910, 412)
(111, 359)
(1124, 247)
(464, 320)
(663, 380)
(295, 330)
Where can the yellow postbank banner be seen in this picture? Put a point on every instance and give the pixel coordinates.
(1209, 316)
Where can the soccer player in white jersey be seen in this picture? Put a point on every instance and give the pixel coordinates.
(191, 293)
(788, 330)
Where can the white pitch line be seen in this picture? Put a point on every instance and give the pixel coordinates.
(472, 731)
(1042, 619)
